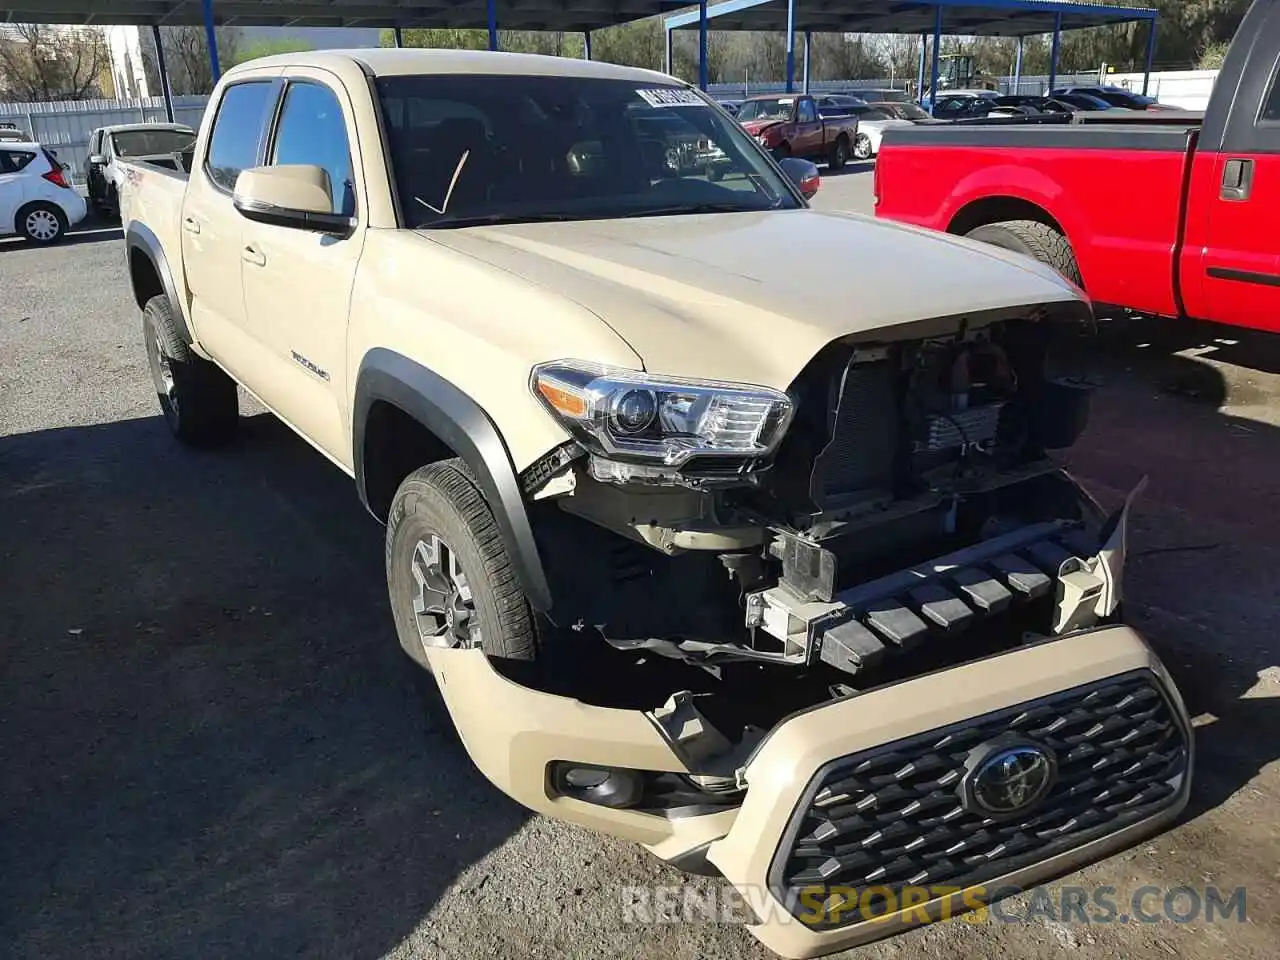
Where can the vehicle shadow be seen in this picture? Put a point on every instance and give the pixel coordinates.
(212, 742)
(1200, 581)
(1147, 340)
(78, 236)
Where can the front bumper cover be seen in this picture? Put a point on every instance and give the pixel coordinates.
(513, 733)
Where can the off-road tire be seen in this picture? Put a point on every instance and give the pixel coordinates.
(50, 210)
(862, 148)
(1036, 240)
(443, 499)
(198, 400)
(839, 153)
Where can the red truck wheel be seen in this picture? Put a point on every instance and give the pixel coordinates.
(1036, 240)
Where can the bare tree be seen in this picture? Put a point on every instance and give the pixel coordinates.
(186, 54)
(43, 63)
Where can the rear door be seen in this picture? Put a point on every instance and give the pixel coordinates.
(12, 186)
(212, 229)
(1240, 265)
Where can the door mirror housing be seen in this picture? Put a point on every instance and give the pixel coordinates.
(290, 195)
(803, 173)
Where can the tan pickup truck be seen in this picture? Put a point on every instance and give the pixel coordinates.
(724, 525)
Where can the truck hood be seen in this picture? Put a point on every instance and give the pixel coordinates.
(757, 127)
(751, 297)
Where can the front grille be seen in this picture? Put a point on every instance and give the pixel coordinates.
(892, 817)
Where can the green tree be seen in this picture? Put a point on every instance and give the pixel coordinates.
(266, 48)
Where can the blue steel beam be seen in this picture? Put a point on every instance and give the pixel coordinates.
(791, 45)
(586, 44)
(398, 36)
(937, 48)
(165, 86)
(1151, 56)
(492, 11)
(808, 49)
(211, 38)
(702, 44)
(1053, 53)
(1097, 13)
(924, 48)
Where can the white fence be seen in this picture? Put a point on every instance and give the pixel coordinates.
(64, 126)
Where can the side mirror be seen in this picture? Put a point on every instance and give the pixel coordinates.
(290, 195)
(803, 173)
(97, 160)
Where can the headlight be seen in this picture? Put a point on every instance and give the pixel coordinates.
(630, 415)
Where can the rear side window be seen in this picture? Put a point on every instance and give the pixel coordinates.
(1271, 107)
(312, 131)
(237, 131)
(11, 161)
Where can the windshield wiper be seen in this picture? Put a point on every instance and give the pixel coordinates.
(691, 208)
(497, 218)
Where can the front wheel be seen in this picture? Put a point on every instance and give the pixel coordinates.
(862, 147)
(450, 579)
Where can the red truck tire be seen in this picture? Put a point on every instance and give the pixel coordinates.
(1036, 240)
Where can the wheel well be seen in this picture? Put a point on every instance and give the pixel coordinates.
(144, 277)
(997, 209)
(395, 445)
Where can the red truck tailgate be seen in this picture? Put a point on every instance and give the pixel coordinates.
(1115, 191)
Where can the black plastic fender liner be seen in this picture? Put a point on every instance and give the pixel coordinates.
(467, 430)
(140, 237)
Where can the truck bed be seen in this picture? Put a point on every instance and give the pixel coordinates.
(1116, 189)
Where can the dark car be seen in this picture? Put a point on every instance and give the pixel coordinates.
(1082, 101)
(1114, 97)
(838, 103)
(1038, 105)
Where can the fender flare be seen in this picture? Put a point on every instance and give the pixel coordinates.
(467, 430)
(140, 237)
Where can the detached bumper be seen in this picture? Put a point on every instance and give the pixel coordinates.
(875, 791)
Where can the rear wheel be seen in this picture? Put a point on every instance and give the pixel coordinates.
(198, 400)
(1033, 239)
(451, 581)
(839, 153)
(41, 222)
(862, 147)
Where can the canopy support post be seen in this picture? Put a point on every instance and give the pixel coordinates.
(492, 10)
(398, 36)
(1017, 69)
(791, 45)
(702, 45)
(1151, 56)
(586, 44)
(937, 50)
(1053, 52)
(164, 73)
(211, 38)
(808, 46)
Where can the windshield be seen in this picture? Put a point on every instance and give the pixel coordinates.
(149, 143)
(469, 149)
(778, 108)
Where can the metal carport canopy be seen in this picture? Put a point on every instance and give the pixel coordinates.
(1007, 18)
(551, 15)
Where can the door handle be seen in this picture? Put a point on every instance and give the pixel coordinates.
(190, 224)
(252, 254)
(1237, 179)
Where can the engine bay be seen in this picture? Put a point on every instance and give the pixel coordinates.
(911, 518)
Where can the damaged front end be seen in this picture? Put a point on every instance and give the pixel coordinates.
(899, 497)
(792, 627)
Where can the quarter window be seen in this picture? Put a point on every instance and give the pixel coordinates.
(237, 131)
(312, 131)
(11, 161)
(1271, 108)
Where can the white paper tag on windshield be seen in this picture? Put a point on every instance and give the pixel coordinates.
(671, 97)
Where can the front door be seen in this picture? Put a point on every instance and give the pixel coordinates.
(1240, 267)
(12, 186)
(297, 283)
(808, 136)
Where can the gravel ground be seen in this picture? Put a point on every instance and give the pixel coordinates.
(210, 744)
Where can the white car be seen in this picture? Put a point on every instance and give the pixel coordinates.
(37, 200)
(160, 144)
(873, 121)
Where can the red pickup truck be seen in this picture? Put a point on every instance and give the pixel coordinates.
(791, 125)
(1163, 214)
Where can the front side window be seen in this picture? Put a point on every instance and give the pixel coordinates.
(806, 112)
(468, 149)
(237, 131)
(312, 131)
